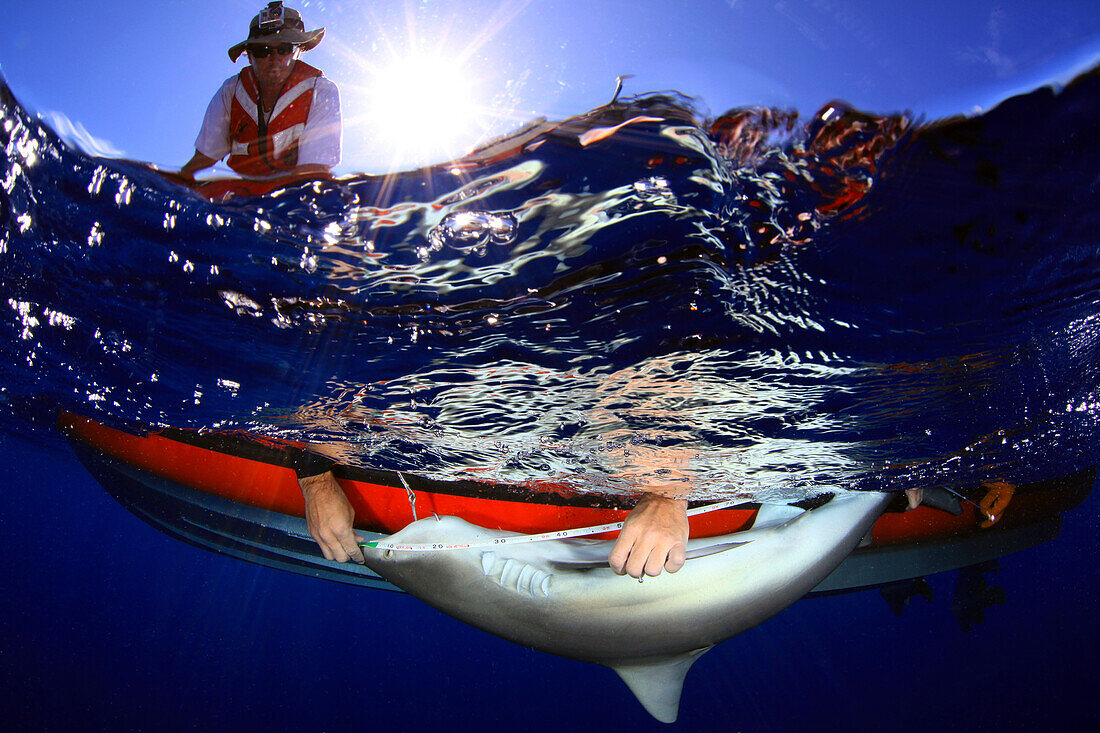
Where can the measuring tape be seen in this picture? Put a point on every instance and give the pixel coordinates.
(385, 544)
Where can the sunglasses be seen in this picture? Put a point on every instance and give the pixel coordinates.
(262, 52)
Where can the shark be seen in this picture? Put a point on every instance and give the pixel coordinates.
(561, 596)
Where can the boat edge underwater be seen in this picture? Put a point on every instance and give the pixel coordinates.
(182, 502)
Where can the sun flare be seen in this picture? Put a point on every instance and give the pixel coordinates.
(432, 88)
(424, 108)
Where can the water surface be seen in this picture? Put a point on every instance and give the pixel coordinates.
(760, 303)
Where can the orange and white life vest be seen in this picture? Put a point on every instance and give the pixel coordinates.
(261, 147)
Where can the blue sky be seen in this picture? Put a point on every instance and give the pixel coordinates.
(424, 79)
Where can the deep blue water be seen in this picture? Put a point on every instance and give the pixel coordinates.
(781, 304)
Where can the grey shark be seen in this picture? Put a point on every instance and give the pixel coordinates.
(561, 596)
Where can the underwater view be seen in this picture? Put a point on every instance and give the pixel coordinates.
(766, 253)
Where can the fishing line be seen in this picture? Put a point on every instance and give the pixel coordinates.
(981, 510)
(386, 544)
(412, 496)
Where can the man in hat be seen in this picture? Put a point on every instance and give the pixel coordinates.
(280, 116)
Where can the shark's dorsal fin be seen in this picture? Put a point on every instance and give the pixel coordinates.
(774, 515)
(658, 683)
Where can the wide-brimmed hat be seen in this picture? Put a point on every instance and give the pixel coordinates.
(274, 25)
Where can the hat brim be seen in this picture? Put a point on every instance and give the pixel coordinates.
(304, 40)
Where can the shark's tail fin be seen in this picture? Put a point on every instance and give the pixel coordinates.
(658, 683)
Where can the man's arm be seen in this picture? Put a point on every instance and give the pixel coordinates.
(914, 497)
(655, 533)
(200, 162)
(311, 169)
(197, 163)
(329, 517)
(212, 143)
(654, 537)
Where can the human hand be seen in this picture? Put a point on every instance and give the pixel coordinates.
(995, 501)
(914, 497)
(329, 517)
(654, 536)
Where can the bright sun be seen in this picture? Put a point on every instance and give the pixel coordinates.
(423, 108)
(420, 91)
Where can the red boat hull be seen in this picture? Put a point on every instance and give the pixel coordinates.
(250, 471)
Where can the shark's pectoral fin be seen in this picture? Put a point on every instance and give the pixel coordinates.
(658, 683)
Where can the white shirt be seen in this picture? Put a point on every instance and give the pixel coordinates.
(320, 140)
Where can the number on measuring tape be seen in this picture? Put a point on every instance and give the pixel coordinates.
(522, 539)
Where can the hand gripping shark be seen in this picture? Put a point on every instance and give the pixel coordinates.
(561, 596)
